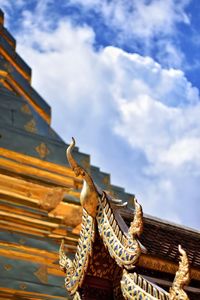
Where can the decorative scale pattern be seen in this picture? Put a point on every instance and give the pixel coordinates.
(135, 287)
(123, 248)
(76, 269)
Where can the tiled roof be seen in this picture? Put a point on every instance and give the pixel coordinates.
(162, 238)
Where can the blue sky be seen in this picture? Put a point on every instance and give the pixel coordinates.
(122, 76)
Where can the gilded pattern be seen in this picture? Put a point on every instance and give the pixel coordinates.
(101, 264)
(31, 126)
(123, 248)
(42, 150)
(135, 287)
(25, 109)
(76, 269)
(42, 274)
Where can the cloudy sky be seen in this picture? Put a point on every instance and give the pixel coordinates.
(123, 77)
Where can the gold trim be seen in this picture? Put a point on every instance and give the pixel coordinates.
(28, 295)
(163, 265)
(31, 254)
(6, 84)
(36, 162)
(17, 67)
(44, 196)
(18, 89)
(39, 173)
(28, 220)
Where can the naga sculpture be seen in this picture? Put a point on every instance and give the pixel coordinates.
(100, 220)
(181, 279)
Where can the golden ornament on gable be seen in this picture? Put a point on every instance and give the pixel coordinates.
(41, 274)
(8, 267)
(23, 286)
(8, 67)
(31, 126)
(103, 246)
(42, 150)
(25, 109)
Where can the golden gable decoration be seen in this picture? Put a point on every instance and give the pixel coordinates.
(31, 126)
(42, 150)
(102, 222)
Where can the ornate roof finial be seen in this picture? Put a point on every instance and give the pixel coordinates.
(89, 194)
(75, 270)
(181, 279)
(63, 260)
(136, 226)
(100, 216)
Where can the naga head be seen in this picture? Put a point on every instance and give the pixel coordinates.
(89, 194)
(73, 164)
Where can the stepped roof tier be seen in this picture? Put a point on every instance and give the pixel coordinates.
(40, 200)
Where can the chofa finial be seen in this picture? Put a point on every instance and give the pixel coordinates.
(73, 164)
(136, 226)
(181, 279)
(89, 194)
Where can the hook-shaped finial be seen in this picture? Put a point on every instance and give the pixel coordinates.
(89, 194)
(181, 279)
(136, 226)
(73, 164)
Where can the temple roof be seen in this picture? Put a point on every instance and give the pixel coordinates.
(18, 115)
(105, 234)
(16, 74)
(161, 238)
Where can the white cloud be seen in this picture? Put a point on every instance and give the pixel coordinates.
(142, 18)
(137, 119)
(150, 27)
(148, 22)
